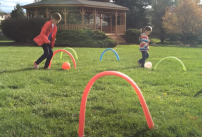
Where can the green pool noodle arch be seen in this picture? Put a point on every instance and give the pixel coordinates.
(72, 50)
(183, 66)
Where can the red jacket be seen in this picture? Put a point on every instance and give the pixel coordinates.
(45, 32)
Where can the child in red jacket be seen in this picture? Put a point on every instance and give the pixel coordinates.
(46, 39)
(144, 45)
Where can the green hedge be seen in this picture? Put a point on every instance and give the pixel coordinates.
(83, 38)
(132, 36)
(22, 29)
(25, 30)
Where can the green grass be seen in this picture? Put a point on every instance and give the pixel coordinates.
(46, 103)
(155, 40)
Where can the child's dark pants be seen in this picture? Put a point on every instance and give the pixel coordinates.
(48, 53)
(145, 55)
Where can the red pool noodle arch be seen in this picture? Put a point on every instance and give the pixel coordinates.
(88, 87)
(62, 50)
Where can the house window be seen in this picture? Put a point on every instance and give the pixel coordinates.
(104, 24)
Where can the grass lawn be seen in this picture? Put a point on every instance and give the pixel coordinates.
(46, 103)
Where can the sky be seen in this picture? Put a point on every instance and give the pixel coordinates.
(8, 5)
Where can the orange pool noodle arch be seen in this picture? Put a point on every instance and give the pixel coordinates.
(62, 50)
(88, 87)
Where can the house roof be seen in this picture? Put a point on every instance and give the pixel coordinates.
(86, 3)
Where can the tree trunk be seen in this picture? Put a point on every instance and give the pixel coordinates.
(187, 40)
(162, 35)
(185, 37)
(162, 39)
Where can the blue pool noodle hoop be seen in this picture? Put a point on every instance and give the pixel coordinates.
(117, 56)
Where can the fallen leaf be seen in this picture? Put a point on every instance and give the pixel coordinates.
(193, 117)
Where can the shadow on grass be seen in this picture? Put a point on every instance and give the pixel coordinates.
(8, 43)
(27, 69)
(141, 132)
(12, 87)
(176, 45)
(14, 71)
(97, 108)
(198, 93)
(119, 69)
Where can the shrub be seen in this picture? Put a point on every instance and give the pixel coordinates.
(83, 38)
(132, 36)
(22, 29)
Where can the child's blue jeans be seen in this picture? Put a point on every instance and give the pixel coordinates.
(145, 55)
(48, 53)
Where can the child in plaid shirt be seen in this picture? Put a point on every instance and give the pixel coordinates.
(144, 45)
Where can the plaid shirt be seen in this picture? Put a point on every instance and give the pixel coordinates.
(144, 42)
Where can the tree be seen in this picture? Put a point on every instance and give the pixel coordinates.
(2, 12)
(37, 1)
(159, 9)
(17, 12)
(136, 15)
(185, 20)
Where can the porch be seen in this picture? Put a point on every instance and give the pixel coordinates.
(106, 29)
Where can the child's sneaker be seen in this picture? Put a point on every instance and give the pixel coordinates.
(36, 66)
(139, 63)
(47, 68)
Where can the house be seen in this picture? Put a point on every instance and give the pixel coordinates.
(4, 16)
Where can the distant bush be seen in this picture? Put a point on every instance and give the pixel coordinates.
(132, 36)
(25, 30)
(22, 29)
(83, 38)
